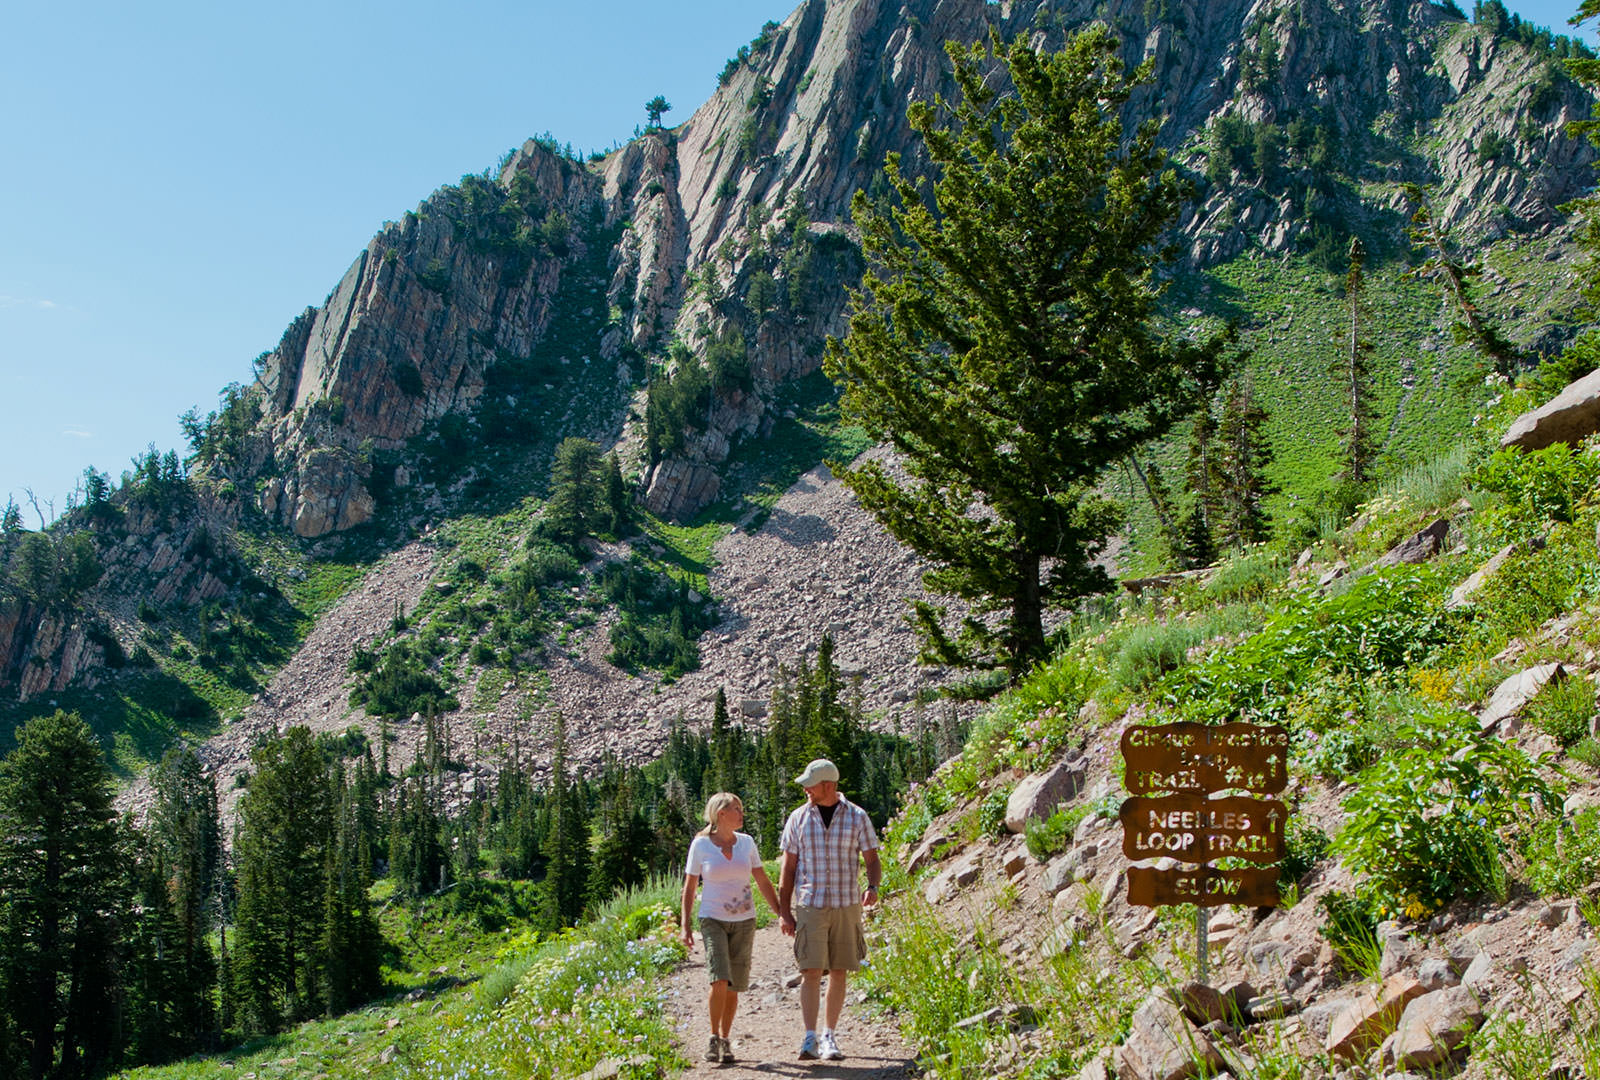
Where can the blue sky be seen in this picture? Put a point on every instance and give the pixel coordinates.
(179, 179)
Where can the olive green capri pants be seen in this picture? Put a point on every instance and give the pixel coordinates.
(728, 946)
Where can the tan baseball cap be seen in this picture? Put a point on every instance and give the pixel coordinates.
(817, 772)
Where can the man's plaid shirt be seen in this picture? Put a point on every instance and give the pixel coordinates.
(829, 870)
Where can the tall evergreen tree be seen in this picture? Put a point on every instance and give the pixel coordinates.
(618, 504)
(185, 842)
(1358, 447)
(285, 820)
(576, 506)
(59, 902)
(566, 844)
(349, 957)
(1442, 263)
(1004, 339)
(726, 772)
(1245, 454)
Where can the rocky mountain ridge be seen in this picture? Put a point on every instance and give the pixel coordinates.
(732, 231)
(1402, 92)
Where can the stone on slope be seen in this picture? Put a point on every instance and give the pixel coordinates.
(1419, 548)
(1434, 1026)
(1163, 1045)
(1463, 594)
(1037, 796)
(1362, 1022)
(1514, 693)
(1569, 417)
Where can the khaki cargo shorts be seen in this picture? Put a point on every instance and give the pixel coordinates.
(728, 946)
(829, 939)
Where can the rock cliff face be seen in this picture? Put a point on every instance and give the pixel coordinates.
(407, 335)
(735, 225)
(164, 560)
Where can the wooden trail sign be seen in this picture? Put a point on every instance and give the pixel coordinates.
(1252, 887)
(1204, 758)
(1195, 829)
(1190, 761)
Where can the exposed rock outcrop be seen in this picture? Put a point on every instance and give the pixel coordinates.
(737, 221)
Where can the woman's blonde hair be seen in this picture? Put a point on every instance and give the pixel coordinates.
(715, 805)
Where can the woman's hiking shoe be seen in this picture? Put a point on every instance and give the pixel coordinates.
(727, 1052)
(829, 1049)
(808, 1047)
(714, 1049)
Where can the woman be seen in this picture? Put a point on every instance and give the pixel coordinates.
(725, 860)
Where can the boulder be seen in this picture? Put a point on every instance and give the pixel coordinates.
(1362, 1022)
(1273, 1005)
(1097, 1068)
(1463, 594)
(1419, 548)
(1163, 1045)
(924, 852)
(1200, 1002)
(1272, 959)
(963, 872)
(1399, 952)
(1569, 417)
(1434, 1026)
(1037, 796)
(1514, 693)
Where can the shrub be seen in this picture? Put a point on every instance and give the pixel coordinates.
(1250, 575)
(1350, 925)
(1425, 821)
(1150, 650)
(1564, 711)
(992, 812)
(1538, 489)
(435, 277)
(1534, 586)
(1053, 835)
(1563, 854)
(1306, 846)
(1386, 621)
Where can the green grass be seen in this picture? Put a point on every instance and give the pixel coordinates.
(474, 1001)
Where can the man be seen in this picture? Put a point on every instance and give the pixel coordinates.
(824, 843)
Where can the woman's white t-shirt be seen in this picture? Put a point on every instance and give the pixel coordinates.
(724, 880)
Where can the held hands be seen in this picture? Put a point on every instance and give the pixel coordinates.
(786, 924)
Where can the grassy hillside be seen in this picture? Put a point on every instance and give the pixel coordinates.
(1408, 818)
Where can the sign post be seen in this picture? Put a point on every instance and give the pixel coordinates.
(1172, 771)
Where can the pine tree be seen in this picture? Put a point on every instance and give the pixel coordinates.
(155, 988)
(285, 820)
(1245, 455)
(60, 896)
(566, 844)
(1442, 263)
(349, 958)
(726, 772)
(1004, 339)
(185, 841)
(1154, 483)
(575, 506)
(618, 518)
(1355, 376)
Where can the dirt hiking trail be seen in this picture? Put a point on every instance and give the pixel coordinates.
(766, 1031)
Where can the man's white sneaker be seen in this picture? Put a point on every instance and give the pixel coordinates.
(830, 1049)
(808, 1047)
